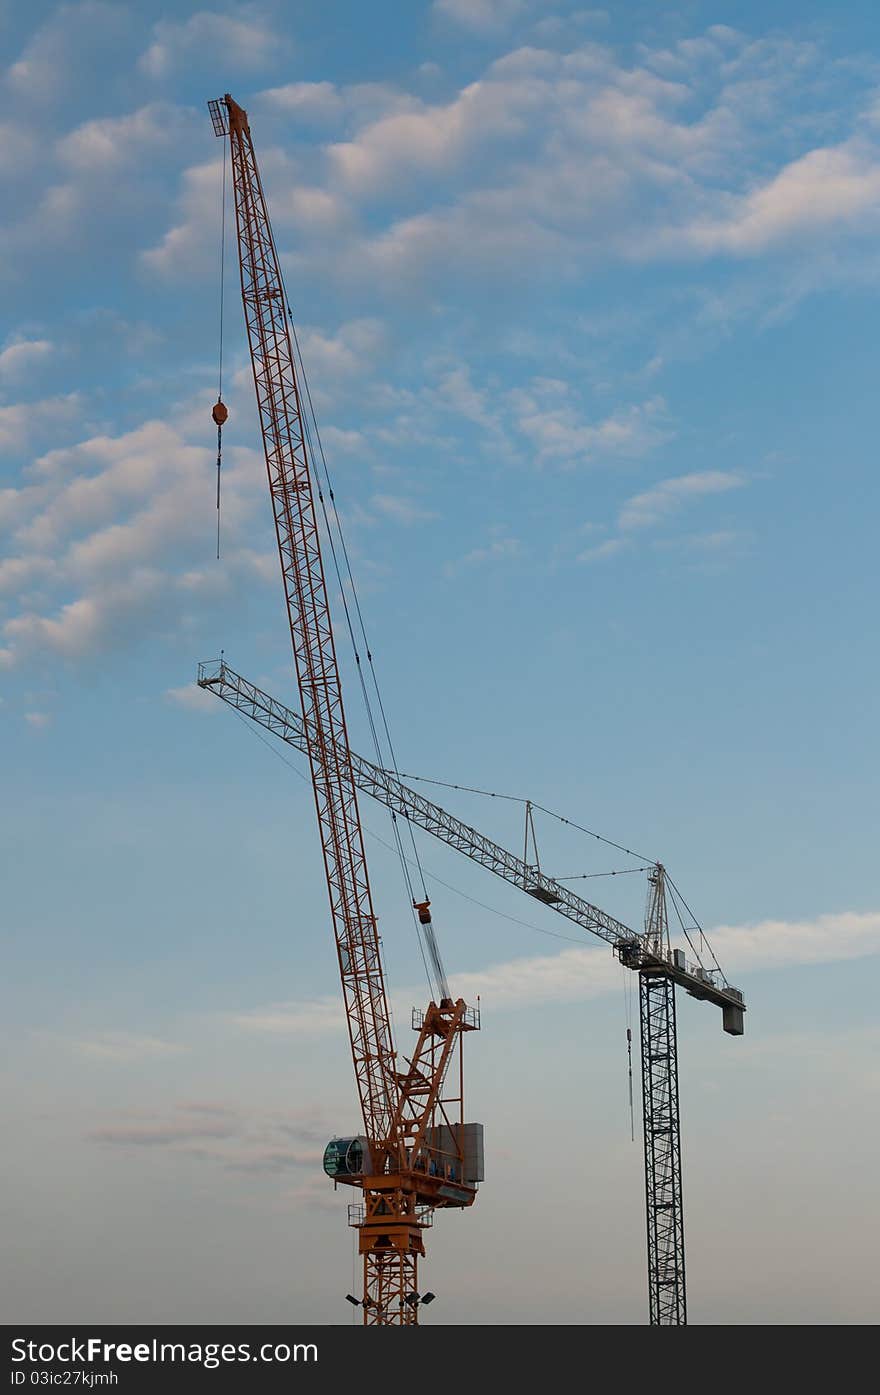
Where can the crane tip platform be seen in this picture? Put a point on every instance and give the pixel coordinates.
(693, 978)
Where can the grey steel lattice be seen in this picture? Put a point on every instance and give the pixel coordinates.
(662, 1137)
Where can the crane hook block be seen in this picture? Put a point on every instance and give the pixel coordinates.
(424, 913)
(219, 412)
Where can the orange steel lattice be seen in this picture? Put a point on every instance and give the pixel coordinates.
(407, 1175)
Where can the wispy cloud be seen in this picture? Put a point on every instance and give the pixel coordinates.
(500, 548)
(24, 423)
(771, 944)
(481, 16)
(192, 697)
(666, 498)
(549, 418)
(21, 357)
(124, 1047)
(160, 1135)
(308, 1018)
(603, 550)
(209, 37)
(253, 1142)
(38, 720)
(110, 529)
(827, 188)
(576, 974)
(400, 509)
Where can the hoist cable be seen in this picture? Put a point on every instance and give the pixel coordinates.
(518, 799)
(354, 591)
(704, 941)
(319, 453)
(222, 302)
(350, 627)
(627, 1008)
(222, 269)
(586, 876)
(503, 915)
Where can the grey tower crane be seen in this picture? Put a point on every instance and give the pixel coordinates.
(649, 953)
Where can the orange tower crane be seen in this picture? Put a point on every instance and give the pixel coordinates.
(416, 1153)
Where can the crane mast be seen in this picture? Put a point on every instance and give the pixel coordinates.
(667, 1294)
(411, 1158)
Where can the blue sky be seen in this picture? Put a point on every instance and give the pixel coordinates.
(588, 302)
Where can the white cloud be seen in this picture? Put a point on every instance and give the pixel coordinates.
(122, 1047)
(708, 548)
(74, 40)
(184, 249)
(306, 1018)
(353, 351)
(654, 505)
(24, 422)
(17, 573)
(551, 159)
(18, 148)
(83, 627)
(571, 976)
(498, 550)
(110, 531)
(481, 16)
(236, 1139)
(825, 188)
(329, 105)
(189, 247)
(109, 144)
(316, 101)
(609, 548)
(337, 439)
(211, 39)
(548, 417)
(772, 944)
(21, 356)
(456, 389)
(399, 509)
(192, 697)
(425, 139)
(160, 1135)
(578, 974)
(91, 483)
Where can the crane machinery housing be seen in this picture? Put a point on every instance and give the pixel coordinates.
(416, 1154)
(660, 968)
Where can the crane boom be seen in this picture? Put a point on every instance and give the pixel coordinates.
(308, 612)
(384, 786)
(414, 1156)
